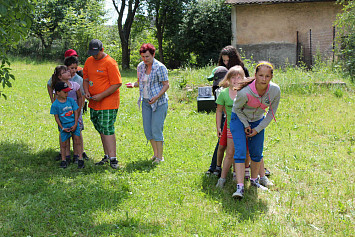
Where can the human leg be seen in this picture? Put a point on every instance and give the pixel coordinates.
(157, 127)
(237, 130)
(227, 162)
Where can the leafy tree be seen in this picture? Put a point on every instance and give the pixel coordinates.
(124, 26)
(167, 14)
(15, 21)
(69, 19)
(346, 37)
(205, 30)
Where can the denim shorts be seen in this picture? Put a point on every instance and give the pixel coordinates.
(255, 144)
(66, 135)
(153, 121)
(104, 120)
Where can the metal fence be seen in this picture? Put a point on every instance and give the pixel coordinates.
(313, 44)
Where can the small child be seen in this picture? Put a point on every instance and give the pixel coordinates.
(65, 111)
(224, 101)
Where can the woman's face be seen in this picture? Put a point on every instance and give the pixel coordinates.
(225, 59)
(263, 76)
(147, 58)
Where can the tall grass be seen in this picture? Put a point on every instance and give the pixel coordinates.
(309, 150)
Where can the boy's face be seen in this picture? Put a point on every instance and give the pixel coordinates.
(73, 68)
(62, 94)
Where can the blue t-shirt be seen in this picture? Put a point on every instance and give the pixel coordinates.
(65, 110)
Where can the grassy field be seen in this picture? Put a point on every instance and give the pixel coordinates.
(310, 152)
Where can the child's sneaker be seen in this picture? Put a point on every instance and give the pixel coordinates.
(265, 182)
(81, 164)
(218, 171)
(256, 183)
(220, 183)
(63, 164)
(75, 159)
(103, 161)
(114, 163)
(267, 172)
(209, 171)
(247, 173)
(85, 157)
(239, 193)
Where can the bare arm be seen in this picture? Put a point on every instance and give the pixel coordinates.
(50, 93)
(107, 92)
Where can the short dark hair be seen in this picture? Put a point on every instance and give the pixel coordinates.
(71, 60)
(147, 47)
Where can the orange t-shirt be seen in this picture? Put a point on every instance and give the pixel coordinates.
(102, 74)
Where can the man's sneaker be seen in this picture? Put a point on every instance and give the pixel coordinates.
(63, 164)
(85, 157)
(267, 172)
(68, 159)
(220, 183)
(103, 161)
(256, 184)
(265, 182)
(247, 173)
(114, 163)
(81, 164)
(157, 160)
(218, 171)
(239, 193)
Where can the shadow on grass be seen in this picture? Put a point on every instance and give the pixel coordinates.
(39, 198)
(140, 165)
(245, 209)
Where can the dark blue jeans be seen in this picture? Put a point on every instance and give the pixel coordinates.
(214, 157)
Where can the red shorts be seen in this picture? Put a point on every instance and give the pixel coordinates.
(223, 139)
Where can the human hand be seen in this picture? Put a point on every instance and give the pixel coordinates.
(66, 129)
(73, 128)
(153, 100)
(97, 97)
(252, 133)
(247, 130)
(219, 132)
(130, 85)
(87, 96)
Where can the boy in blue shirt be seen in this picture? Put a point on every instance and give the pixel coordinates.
(65, 111)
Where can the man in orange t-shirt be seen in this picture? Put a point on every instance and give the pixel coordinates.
(102, 80)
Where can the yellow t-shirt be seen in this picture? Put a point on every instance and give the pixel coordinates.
(102, 74)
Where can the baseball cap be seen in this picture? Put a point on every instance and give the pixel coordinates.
(62, 86)
(70, 52)
(218, 73)
(95, 46)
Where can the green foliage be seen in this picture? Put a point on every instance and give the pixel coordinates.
(62, 24)
(15, 21)
(205, 30)
(345, 24)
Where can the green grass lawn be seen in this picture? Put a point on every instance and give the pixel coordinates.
(310, 152)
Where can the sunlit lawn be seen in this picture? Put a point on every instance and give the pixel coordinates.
(310, 151)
